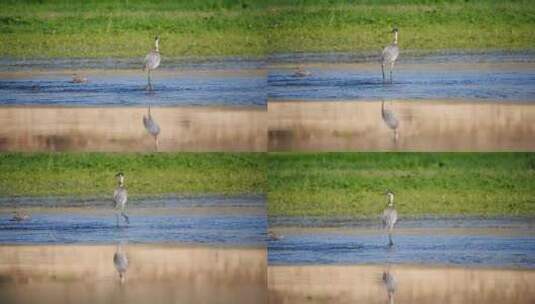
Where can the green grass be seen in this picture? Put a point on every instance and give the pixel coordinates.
(92, 174)
(353, 184)
(256, 27)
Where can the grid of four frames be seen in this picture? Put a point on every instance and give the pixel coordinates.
(267, 152)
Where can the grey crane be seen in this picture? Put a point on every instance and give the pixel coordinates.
(120, 197)
(152, 127)
(390, 216)
(390, 284)
(152, 61)
(390, 120)
(389, 55)
(120, 261)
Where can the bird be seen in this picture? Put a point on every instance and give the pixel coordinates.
(120, 261)
(389, 55)
(274, 236)
(390, 284)
(120, 197)
(152, 127)
(390, 217)
(78, 79)
(301, 72)
(152, 61)
(19, 216)
(390, 120)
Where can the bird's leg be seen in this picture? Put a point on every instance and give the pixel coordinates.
(117, 218)
(149, 85)
(391, 69)
(156, 142)
(126, 219)
(383, 70)
(390, 243)
(396, 135)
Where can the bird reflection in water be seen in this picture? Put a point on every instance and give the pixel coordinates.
(390, 284)
(120, 261)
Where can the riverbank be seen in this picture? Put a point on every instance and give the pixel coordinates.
(256, 28)
(92, 174)
(353, 184)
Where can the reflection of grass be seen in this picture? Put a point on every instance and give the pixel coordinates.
(92, 174)
(256, 27)
(425, 183)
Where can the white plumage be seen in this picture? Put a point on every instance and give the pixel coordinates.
(390, 55)
(120, 197)
(152, 61)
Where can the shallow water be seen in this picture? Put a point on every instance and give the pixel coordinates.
(481, 81)
(462, 242)
(120, 88)
(207, 220)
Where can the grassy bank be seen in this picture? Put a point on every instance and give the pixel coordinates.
(342, 184)
(92, 174)
(255, 27)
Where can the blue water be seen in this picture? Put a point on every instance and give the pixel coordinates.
(216, 221)
(129, 89)
(476, 249)
(409, 82)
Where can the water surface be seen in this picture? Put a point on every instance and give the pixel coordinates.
(239, 221)
(467, 242)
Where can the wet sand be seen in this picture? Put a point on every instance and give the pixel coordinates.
(423, 126)
(414, 284)
(156, 274)
(120, 129)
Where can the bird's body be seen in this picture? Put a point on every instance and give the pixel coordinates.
(390, 120)
(152, 127)
(20, 216)
(152, 61)
(120, 197)
(78, 79)
(274, 236)
(301, 72)
(390, 55)
(390, 217)
(120, 261)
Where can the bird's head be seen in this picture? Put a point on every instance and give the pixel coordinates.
(395, 30)
(120, 177)
(157, 42)
(390, 195)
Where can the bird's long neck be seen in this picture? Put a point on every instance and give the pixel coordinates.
(156, 46)
(395, 38)
(391, 200)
